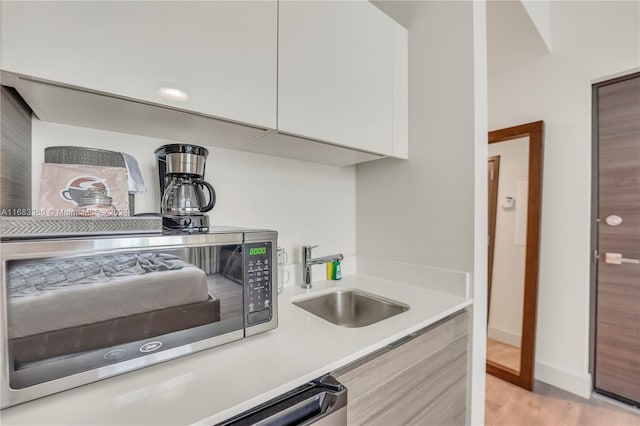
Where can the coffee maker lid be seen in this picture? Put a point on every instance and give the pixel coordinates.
(177, 148)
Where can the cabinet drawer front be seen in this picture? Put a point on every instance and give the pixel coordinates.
(421, 392)
(423, 381)
(390, 364)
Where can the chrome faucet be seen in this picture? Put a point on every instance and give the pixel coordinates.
(308, 262)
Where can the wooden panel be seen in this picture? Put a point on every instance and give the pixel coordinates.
(461, 324)
(391, 364)
(420, 382)
(449, 407)
(15, 154)
(419, 395)
(617, 346)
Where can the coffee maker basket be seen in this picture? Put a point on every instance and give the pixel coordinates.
(87, 156)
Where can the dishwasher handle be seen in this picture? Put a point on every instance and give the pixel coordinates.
(318, 409)
(322, 402)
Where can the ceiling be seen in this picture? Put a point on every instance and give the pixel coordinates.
(400, 10)
(512, 37)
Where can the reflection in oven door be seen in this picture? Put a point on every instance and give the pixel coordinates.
(83, 312)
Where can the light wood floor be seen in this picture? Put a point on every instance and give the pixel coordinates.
(503, 354)
(510, 405)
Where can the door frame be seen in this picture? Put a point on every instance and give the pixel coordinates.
(493, 213)
(593, 267)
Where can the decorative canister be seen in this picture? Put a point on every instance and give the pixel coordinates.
(95, 202)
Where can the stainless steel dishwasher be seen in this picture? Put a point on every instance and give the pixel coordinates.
(321, 402)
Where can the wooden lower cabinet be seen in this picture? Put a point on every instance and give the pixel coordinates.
(421, 381)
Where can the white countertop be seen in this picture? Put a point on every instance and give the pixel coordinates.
(212, 385)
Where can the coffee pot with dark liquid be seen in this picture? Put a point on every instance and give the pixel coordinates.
(182, 187)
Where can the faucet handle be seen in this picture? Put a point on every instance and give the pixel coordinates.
(307, 250)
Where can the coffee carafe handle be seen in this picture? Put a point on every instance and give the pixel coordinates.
(212, 196)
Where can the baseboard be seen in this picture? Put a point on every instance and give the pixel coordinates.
(578, 385)
(504, 336)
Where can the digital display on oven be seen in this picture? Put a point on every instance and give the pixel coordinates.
(255, 251)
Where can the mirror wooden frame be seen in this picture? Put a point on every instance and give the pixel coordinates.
(524, 377)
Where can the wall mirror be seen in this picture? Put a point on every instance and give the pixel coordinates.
(515, 172)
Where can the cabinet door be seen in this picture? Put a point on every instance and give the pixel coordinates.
(421, 382)
(223, 54)
(335, 73)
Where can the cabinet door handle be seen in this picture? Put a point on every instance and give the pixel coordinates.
(401, 341)
(617, 259)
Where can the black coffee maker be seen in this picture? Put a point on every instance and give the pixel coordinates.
(182, 187)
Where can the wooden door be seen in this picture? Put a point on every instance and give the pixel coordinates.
(493, 168)
(617, 340)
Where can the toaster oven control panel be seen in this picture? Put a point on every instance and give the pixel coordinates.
(259, 273)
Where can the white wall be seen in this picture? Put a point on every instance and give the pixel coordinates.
(507, 285)
(478, 360)
(306, 203)
(422, 210)
(591, 40)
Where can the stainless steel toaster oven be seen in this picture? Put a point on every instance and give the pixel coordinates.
(78, 310)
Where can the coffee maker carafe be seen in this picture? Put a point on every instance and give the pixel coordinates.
(182, 187)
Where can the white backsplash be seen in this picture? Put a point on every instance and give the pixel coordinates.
(307, 203)
(457, 283)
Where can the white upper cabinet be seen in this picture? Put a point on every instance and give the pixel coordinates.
(323, 81)
(222, 54)
(336, 75)
(400, 91)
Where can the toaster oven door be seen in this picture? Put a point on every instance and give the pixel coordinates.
(95, 313)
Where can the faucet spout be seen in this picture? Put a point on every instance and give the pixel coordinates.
(325, 259)
(308, 261)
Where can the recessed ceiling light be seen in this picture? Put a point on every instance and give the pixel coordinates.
(173, 94)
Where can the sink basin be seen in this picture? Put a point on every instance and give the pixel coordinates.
(351, 308)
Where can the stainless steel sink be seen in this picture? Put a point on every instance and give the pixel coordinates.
(351, 308)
